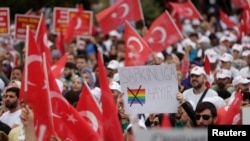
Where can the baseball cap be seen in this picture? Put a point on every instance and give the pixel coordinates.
(240, 80)
(226, 57)
(113, 64)
(115, 86)
(212, 56)
(223, 73)
(245, 53)
(237, 47)
(198, 70)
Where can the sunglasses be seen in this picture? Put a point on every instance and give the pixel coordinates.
(205, 117)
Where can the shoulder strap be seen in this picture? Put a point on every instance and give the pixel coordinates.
(203, 95)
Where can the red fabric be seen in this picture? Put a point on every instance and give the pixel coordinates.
(166, 123)
(245, 27)
(240, 3)
(42, 40)
(115, 15)
(231, 114)
(162, 33)
(177, 19)
(111, 126)
(57, 69)
(60, 43)
(68, 123)
(187, 10)
(90, 110)
(225, 19)
(76, 26)
(137, 51)
(33, 89)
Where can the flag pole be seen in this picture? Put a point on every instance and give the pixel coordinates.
(142, 15)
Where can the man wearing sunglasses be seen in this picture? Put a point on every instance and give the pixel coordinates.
(206, 114)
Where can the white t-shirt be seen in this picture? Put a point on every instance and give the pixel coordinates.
(194, 98)
(11, 118)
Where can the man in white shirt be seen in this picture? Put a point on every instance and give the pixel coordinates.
(11, 101)
(197, 80)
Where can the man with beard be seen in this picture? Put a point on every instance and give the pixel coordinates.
(206, 114)
(11, 101)
(194, 94)
(69, 73)
(223, 85)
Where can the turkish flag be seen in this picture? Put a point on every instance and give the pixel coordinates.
(88, 107)
(76, 26)
(68, 123)
(230, 115)
(186, 9)
(42, 40)
(162, 33)
(34, 89)
(244, 27)
(109, 109)
(240, 3)
(60, 42)
(118, 13)
(137, 51)
(57, 69)
(225, 19)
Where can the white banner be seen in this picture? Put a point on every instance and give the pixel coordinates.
(149, 89)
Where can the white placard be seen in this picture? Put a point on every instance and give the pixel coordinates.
(245, 115)
(149, 89)
(172, 135)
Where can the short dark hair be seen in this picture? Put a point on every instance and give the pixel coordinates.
(15, 90)
(70, 65)
(206, 105)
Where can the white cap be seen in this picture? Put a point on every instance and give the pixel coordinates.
(188, 42)
(113, 64)
(245, 39)
(115, 86)
(216, 100)
(196, 22)
(237, 47)
(245, 45)
(226, 57)
(240, 80)
(223, 73)
(212, 55)
(245, 53)
(225, 38)
(204, 39)
(160, 55)
(198, 70)
(114, 33)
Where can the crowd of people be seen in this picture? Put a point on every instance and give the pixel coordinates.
(200, 94)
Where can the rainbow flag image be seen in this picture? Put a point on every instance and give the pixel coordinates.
(136, 96)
